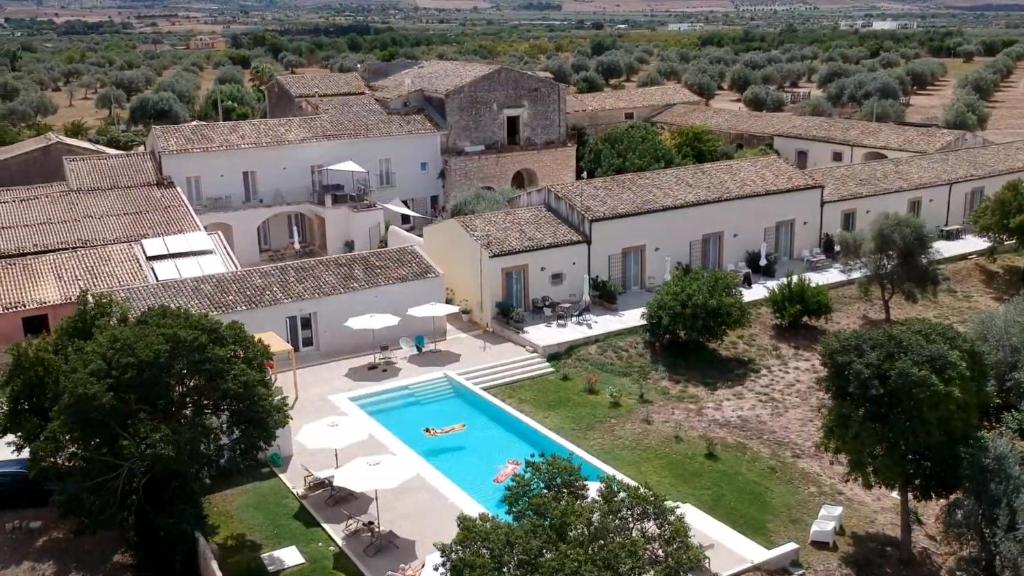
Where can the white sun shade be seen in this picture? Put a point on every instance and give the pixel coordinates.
(372, 321)
(380, 472)
(346, 166)
(432, 310)
(332, 432)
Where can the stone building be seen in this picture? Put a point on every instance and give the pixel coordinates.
(503, 127)
(297, 94)
(40, 160)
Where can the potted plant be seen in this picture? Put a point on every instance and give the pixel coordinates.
(605, 293)
(464, 310)
(504, 310)
(518, 318)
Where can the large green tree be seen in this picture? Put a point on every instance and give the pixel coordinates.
(159, 108)
(1000, 218)
(906, 405)
(698, 305)
(555, 530)
(635, 147)
(1000, 333)
(896, 256)
(131, 415)
(696, 145)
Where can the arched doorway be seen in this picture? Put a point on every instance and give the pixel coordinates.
(524, 179)
(289, 234)
(872, 155)
(225, 229)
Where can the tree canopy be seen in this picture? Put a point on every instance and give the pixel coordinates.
(698, 305)
(157, 108)
(555, 529)
(131, 415)
(907, 400)
(1000, 217)
(696, 145)
(635, 147)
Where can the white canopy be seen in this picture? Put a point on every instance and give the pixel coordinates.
(372, 321)
(378, 472)
(332, 432)
(396, 206)
(346, 166)
(432, 310)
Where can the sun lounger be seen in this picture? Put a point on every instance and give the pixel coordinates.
(354, 523)
(313, 482)
(832, 513)
(823, 531)
(408, 348)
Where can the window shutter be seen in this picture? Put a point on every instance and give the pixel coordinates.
(769, 238)
(695, 254)
(615, 270)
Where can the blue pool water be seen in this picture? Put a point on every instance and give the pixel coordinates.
(470, 459)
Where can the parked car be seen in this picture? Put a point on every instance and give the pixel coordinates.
(17, 489)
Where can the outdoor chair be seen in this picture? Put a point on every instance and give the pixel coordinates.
(548, 314)
(421, 342)
(832, 513)
(536, 307)
(583, 314)
(408, 348)
(354, 523)
(562, 318)
(547, 301)
(313, 482)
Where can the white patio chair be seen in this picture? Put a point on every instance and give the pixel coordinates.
(823, 531)
(408, 348)
(549, 314)
(805, 255)
(832, 513)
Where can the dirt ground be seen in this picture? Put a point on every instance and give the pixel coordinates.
(82, 107)
(776, 408)
(927, 105)
(56, 550)
(1007, 120)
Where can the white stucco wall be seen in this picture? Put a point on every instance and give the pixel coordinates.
(332, 337)
(452, 250)
(668, 233)
(540, 265)
(820, 153)
(958, 198)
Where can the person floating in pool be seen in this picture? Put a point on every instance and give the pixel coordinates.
(510, 469)
(453, 429)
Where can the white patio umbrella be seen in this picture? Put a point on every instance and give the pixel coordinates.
(379, 472)
(295, 236)
(668, 268)
(586, 290)
(432, 310)
(764, 254)
(332, 432)
(372, 322)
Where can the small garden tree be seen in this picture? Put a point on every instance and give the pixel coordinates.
(481, 200)
(816, 106)
(589, 81)
(159, 108)
(635, 147)
(77, 128)
(696, 306)
(761, 98)
(555, 528)
(696, 145)
(796, 300)
(1000, 334)
(701, 84)
(896, 257)
(1000, 218)
(966, 112)
(131, 416)
(906, 404)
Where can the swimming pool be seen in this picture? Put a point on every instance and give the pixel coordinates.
(471, 458)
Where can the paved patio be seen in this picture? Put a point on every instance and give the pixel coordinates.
(421, 511)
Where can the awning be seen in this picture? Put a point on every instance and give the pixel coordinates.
(397, 206)
(346, 166)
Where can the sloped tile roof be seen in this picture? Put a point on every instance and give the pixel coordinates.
(344, 118)
(920, 171)
(102, 171)
(432, 76)
(49, 139)
(657, 190)
(56, 278)
(879, 135)
(519, 230)
(665, 95)
(322, 84)
(58, 218)
(33, 190)
(264, 286)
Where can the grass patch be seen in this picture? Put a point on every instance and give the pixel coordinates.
(256, 513)
(756, 495)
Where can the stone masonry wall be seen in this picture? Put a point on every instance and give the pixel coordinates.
(542, 167)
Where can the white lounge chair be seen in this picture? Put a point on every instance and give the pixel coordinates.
(823, 531)
(832, 513)
(408, 348)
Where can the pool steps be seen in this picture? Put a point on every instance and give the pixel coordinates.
(506, 371)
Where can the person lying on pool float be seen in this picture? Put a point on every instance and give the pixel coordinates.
(511, 469)
(444, 431)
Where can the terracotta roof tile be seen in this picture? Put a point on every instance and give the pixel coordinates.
(644, 192)
(344, 118)
(322, 84)
(880, 135)
(57, 278)
(519, 230)
(920, 171)
(666, 95)
(432, 76)
(61, 219)
(102, 171)
(49, 139)
(264, 286)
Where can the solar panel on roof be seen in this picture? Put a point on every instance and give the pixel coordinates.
(154, 247)
(165, 270)
(199, 242)
(211, 264)
(177, 244)
(188, 267)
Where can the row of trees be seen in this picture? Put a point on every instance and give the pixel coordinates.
(967, 109)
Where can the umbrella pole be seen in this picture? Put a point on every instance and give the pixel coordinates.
(335, 458)
(433, 329)
(376, 502)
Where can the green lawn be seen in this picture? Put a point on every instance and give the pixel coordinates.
(764, 499)
(256, 514)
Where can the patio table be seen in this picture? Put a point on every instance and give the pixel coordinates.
(951, 232)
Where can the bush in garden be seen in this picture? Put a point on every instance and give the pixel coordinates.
(695, 306)
(762, 98)
(796, 300)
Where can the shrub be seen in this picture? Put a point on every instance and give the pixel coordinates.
(590, 383)
(480, 201)
(696, 306)
(589, 81)
(966, 112)
(762, 98)
(876, 110)
(614, 396)
(740, 79)
(980, 81)
(649, 78)
(816, 106)
(967, 52)
(796, 300)
(701, 84)
(604, 290)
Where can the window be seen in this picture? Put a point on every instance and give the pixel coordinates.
(406, 219)
(711, 251)
(297, 222)
(974, 199)
(837, 155)
(435, 204)
(512, 130)
(514, 287)
(35, 325)
(784, 235)
(424, 167)
(249, 189)
(316, 176)
(385, 177)
(263, 235)
(801, 159)
(633, 268)
(629, 115)
(194, 190)
(914, 207)
(301, 331)
(848, 220)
